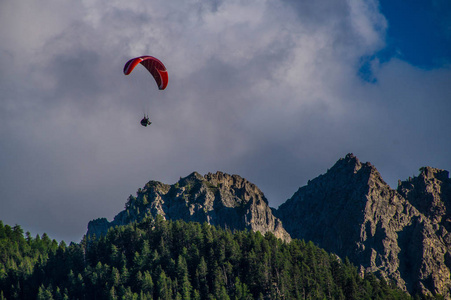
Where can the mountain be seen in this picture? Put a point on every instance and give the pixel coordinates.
(401, 235)
(160, 259)
(229, 201)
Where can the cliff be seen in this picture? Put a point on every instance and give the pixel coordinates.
(229, 201)
(400, 235)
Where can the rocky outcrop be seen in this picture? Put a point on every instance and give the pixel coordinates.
(430, 194)
(400, 235)
(229, 201)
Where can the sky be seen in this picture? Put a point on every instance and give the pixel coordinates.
(275, 91)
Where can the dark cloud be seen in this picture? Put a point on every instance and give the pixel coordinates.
(268, 90)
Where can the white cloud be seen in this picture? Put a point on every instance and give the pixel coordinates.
(368, 23)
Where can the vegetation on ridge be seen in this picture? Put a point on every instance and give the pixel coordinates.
(158, 259)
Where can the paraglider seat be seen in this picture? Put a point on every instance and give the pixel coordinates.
(145, 121)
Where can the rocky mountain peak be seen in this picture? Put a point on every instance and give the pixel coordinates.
(429, 173)
(400, 235)
(328, 209)
(238, 186)
(430, 193)
(350, 162)
(191, 178)
(229, 201)
(346, 168)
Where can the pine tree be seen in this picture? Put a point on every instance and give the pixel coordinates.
(182, 277)
(115, 277)
(147, 283)
(112, 295)
(45, 293)
(241, 290)
(201, 274)
(163, 287)
(166, 260)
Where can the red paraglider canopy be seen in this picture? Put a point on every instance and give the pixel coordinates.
(153, 65)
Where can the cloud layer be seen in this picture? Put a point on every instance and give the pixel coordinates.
(269, 90)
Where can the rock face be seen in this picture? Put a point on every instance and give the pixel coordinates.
(400, 235)
(218, 199)
(430, 194)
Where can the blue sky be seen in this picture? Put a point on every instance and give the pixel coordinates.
(420, 32)
(275, 91)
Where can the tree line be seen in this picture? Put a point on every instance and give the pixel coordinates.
(159, 259)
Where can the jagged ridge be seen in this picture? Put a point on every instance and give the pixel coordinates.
(229, 201)
(401, 235)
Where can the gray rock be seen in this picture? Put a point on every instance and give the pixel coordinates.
(399, 235)
(229, 201)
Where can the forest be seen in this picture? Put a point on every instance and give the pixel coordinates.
(159, 259)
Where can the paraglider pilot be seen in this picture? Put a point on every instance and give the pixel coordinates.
(145, 121)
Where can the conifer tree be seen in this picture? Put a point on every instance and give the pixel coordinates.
(163, 287)
(158, 259)
(147, 283)
(183, 278)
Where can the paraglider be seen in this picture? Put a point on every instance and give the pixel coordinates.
(155, 68)
(145, 121)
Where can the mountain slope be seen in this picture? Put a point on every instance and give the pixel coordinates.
(159, 259)
(352, 212)
(229, 201)
(401, 235)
